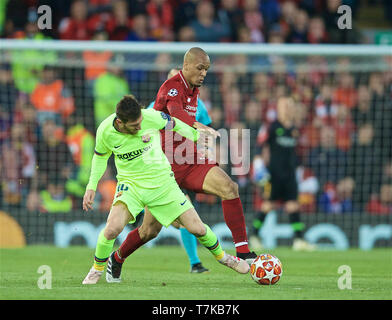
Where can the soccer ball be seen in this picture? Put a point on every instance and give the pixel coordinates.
(266, 269)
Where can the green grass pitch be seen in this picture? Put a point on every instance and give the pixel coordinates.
(163, 273)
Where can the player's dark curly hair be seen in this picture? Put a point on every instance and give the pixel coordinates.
(128, 109)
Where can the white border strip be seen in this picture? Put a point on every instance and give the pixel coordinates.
(210, 48)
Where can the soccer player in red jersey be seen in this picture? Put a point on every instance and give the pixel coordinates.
(178, 97)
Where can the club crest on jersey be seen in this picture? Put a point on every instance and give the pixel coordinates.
(146, 138)
(172, 92)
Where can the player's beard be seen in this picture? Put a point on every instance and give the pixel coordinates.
(129, 131)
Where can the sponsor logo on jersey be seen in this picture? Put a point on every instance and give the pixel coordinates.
(134, 154)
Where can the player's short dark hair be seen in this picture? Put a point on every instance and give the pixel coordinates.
(128, 109)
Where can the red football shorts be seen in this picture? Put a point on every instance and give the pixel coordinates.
(191, 176)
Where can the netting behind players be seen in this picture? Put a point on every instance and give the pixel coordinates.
(53, 96)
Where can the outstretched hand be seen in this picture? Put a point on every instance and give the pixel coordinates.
(88, 200)
(205, 130)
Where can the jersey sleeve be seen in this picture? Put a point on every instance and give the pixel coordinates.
(171, 97)
(99, 161)
(101, 148)
(156, 119)
(185, 130)
(163, 121)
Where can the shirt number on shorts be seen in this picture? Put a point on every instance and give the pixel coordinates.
(122, 187)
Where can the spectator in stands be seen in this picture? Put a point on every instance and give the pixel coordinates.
(232, 105)
(326, 160)
(270, 10)
(161, 19)
(99, 5)
(105, 191)
(381, 104)
(288, 11)
(8, 94)
(217, 118)
(3, 6)
(308, 187)
(54, 163)
(337, 199)
(137, 7)
(16, 14)
(5, 123)
(52, 98)
(316, 31)
(381, 204)
(325, 107)
(365, 163)
(81, 144)
(186, 34)
(75, 27)
(345, 92)
(18, 165)
(140, 29)
(363, 111)
(253, 20)
(54, 199)
(243, 34)
(120, 22)
(231, 14)
(308, 132)
(95, 61)
(26, 114)
(299, 29)
(27, 64)
(109, 87)
(376, 88)
(207, 28)
(114, 20)
(252, 116)
(275, 34)
(344, 127)
(184, 13)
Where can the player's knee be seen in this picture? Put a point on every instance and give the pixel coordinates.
(112, 231)
(229, 190)
(198, 230)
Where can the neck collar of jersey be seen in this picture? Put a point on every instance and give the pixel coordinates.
(188, 88)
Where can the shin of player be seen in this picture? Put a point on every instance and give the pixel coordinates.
(192, 222)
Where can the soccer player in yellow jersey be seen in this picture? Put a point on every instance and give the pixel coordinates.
(145, 179)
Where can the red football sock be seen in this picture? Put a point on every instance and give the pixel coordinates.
(130, 244)
(233, 214)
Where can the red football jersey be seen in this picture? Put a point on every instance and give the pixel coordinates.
(177, 99)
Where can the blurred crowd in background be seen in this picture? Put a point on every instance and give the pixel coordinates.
(49, 113)
(244, 21)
